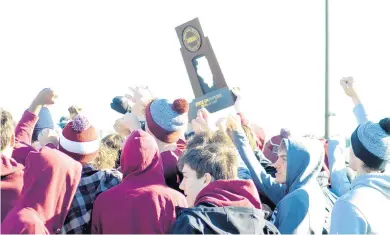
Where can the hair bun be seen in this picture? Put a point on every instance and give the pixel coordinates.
(385, 125)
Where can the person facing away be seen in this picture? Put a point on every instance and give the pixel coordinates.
(220, 202)
(142, 203)
(79, 140)
(50, 182)
(15, 144)
(300, 202)
(356, 212)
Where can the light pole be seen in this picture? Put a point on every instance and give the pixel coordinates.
(326, 71)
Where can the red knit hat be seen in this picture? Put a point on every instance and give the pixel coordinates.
(79, 140)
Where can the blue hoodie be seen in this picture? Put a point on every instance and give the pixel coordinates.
(363, 209)
(296, 211)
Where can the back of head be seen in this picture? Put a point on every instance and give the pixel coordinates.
(220, 161)
(210, 137)
(79, 140)
(50, 182)
(114, 141)
(371, 144)
(167, 120)
(140, 156)
(7, 129)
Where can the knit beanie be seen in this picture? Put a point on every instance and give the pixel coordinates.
(44, 121)
(371, 143)
(166, 120)
(79, 140)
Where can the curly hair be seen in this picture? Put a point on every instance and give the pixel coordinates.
(109, 152)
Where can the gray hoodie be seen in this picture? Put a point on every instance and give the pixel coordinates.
(363, 209)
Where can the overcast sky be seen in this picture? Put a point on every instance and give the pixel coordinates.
(91, 51)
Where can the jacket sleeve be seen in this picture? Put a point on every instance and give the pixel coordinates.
(263, 181)
(338, 169)
(290, 217)
(360, 114)
(347, 219)
(182, 225)
(25, 127)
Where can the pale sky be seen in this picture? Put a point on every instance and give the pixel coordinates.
(91, 51)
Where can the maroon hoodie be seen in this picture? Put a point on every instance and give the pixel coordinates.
(11, 184)
(23, 136)
(50, 182)
(237, 193)
(141, 203)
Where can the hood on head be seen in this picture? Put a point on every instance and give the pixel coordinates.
(239, 193)
(304, 161)
(50, 182)
(380, 182)
(140, 156)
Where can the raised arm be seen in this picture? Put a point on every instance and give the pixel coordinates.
(349, 89)
(338, 169)
(263, 181)
(25, 127)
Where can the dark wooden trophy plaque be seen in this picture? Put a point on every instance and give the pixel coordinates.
(214, 95)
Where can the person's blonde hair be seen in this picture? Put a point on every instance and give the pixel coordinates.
(74, 109)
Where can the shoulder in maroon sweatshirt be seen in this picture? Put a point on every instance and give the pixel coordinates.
(11, 184)
(50, 183)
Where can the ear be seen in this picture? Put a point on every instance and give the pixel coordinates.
(207, 179)
(12, 142)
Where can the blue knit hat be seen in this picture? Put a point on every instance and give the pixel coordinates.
(44, 121)
(166, 120)
(371, 143)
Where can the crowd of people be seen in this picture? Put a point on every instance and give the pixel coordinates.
(160, 173)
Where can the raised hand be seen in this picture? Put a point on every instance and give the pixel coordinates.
(45, 97)
(233, 123)
(140, 97)
(347, 84)
(48, 136)
(202, 122)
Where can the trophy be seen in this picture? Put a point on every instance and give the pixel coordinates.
(208, 83)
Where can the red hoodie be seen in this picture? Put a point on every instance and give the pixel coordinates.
(238, 193)
(11, 184)
(23, 136)
(142, 203)
(50, 182)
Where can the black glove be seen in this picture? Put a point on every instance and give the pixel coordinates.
(121, 105)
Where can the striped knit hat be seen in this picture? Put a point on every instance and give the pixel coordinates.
(79, 140)
(371, 143)
(167, 120)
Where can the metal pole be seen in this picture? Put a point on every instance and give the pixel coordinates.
(326, 71)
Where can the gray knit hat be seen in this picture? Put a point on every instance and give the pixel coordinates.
(166, 120)
(371, 143)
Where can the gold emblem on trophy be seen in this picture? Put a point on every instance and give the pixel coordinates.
(191, 39)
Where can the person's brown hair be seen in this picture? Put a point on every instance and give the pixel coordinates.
(219, 160)
(114, 141)
(106, 158)
(7, 128)
(203, 139)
